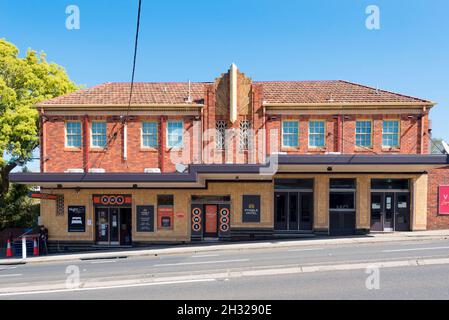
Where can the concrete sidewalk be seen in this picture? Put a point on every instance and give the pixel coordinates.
(209, 247)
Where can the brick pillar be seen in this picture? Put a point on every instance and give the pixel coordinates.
(42, 137)
(86, 143)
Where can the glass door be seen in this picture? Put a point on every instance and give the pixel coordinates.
(402, 214)
(389, 211)
(377, 211)
(280, 210)
(114, 226)
(102, 225)
(306, 211)
(293, 211)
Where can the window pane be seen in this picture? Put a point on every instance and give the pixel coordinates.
(99, 134)
(290, 131)
(73, 134)
(244, 142)
(390, 133)
(174, 133)
(149, 134)
(363, 133)
(316, 133)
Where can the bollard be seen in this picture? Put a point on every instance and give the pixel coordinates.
(24, 248)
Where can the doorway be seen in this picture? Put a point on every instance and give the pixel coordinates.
(211, 221)
(390, 211)
(293, 211)
(113, 226)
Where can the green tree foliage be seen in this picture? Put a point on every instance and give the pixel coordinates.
(24, 81)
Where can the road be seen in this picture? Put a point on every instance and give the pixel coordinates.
(396, 270)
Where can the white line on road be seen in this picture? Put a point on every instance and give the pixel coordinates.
(11, 275)
(308, 249)
(206, 256)
(200, 262)
(100, 262)
(105, 288)
(415, 249)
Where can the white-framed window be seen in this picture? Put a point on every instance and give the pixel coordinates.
(363, 133)
(390, 133)
(98, 134)
(174, 134)
(220, 134)
(317, 133)
(290, 134)
(245, 130)
(73, 134)
(149, 134)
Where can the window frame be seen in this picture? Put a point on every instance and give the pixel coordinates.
(324, 134)
(66, 145)
(247, 146)
(218, 135)
(142, 134)
(371, 133)
(398, 134)
(92, 134)
(167, 135)
(290, 134)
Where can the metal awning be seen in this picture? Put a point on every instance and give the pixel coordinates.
(197, 175)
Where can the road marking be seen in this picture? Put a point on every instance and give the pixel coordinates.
(200, 262)
(415, 249)
(11, 275)
(309, 249)
(205, 256)
(100, 262)
(106, 287)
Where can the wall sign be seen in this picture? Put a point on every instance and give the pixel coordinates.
(165, 217)
(145, 218)
(76, 218)
(443, 200)
(251, 208)
(112, 200)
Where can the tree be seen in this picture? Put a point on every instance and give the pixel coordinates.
(23, 83)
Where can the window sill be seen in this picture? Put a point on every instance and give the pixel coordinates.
(72, 149)
(96, 149)
(317, 149)
(392, 149)
(365, 149)
(290, 149)
(148, 149)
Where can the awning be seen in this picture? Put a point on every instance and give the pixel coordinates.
(198, 175)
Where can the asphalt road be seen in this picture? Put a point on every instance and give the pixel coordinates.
(325, 272)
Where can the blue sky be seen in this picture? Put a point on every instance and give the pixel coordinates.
(267, 39)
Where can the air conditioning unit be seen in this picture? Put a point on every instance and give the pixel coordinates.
(74, 170)
(97, 170)
(152, 170)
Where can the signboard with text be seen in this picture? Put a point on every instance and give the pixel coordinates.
(443, 200)
(77, 218)
(251, 208)
(145, 218)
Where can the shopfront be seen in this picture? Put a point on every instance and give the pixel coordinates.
(210, 217)
(342, 206)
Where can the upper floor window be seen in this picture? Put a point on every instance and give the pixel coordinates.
(149, 134)
(363, 134)
(390, 133)
(174, 134)
(316, 133)
(73, 134)
(220, 127)
(290, 131)
(98, 134)
(245, 127)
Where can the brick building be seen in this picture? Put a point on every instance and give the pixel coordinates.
(235, 158)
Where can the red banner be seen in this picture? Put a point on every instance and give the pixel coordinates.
(443, 203)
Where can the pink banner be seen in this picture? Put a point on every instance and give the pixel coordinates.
(443, 207)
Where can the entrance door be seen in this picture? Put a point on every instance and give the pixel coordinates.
(293, 211)
(390, 211)
(107, 225)
(211, 221)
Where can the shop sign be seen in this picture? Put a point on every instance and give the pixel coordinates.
(77, 218)
(165, 217)
(145, 218)
(251, 208)
(443, 203)
(112, 200)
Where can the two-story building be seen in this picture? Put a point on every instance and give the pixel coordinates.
(235, 159)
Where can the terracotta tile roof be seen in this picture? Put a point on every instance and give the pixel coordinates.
(274, 92)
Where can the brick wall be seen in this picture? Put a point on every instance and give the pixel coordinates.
(436, 178)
